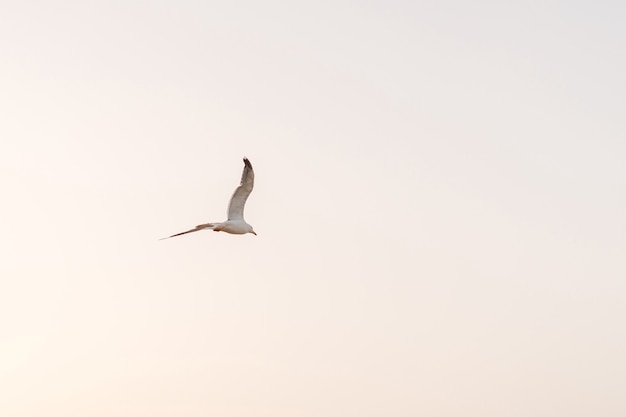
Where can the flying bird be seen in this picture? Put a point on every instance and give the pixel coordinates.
(235, 223)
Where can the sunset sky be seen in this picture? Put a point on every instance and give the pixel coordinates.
(440, 204)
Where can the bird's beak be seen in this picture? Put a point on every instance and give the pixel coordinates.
(253, 232)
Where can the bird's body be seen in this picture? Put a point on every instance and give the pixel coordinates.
(235, 224)
(235, 227)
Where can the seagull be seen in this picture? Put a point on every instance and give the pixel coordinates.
(235, 224)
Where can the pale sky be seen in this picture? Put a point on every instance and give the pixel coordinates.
(440, 207)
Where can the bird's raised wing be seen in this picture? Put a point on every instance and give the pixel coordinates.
(238, 200)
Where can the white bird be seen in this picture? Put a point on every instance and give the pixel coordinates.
(235, 223)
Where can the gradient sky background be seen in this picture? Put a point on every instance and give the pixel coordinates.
(440, 202)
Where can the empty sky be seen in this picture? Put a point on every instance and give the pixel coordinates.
(440, 203)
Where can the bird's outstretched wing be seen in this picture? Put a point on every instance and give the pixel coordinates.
(198, 227)
(238, 200)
